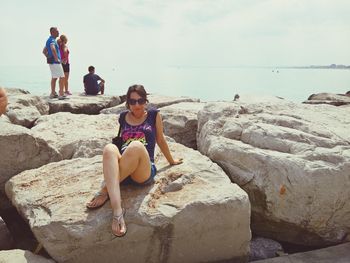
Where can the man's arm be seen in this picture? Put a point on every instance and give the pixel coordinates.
(54, 53)
(45, 52)
(3, 101)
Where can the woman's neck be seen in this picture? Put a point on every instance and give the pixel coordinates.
(139, 115)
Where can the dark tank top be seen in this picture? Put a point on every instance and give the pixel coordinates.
(144, 133)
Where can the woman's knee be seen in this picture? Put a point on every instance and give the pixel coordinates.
(110, 150)
(136, 145)
(135, 149)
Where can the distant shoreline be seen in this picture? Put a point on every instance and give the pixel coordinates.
(332, 66)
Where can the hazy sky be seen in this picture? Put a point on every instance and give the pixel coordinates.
(183, 32)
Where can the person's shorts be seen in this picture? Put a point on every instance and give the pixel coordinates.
(150, 180)
(56, 71)
(96, 91)
(66, 67)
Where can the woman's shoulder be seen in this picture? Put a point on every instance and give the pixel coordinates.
(152, 111)
(152, 115)
(122, 115)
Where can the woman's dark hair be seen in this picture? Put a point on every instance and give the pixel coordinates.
(139, 89)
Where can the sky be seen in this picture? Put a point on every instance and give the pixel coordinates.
(182, 33)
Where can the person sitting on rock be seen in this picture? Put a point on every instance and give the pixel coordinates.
(141, 129)
(93, 83)
(3, 101)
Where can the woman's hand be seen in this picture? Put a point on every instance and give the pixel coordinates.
(177, 161)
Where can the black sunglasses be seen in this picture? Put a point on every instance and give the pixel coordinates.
(140, 101)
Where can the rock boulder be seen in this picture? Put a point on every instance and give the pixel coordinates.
(25, 109)
(21, 149)
(22, 256)
(83, 104)
(193, 213)
(328, 98)
(293, 160)
(77, 135)
(6, 240)
(180, 122)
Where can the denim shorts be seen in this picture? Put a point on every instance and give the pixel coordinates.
(150, 179)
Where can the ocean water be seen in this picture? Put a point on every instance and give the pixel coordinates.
(207, 84)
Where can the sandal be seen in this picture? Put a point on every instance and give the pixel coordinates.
(120, 220)
(97, 195)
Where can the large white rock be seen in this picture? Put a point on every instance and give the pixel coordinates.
(328, 98)
(15, 91)
(83, 104)
(22, 256)
(155, 101)
(21, 149)
(292, 159)
(25, 109)
(193, 213)
(180, 122)
(77, 135)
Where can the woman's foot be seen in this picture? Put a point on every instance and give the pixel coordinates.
(98, 200)
(68, 93)
(118, 224)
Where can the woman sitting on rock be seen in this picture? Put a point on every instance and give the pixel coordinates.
(141, 128)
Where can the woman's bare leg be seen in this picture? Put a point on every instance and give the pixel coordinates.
(134, 162)
(66, 77)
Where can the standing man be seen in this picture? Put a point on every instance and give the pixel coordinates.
(93, 84)
(3, 101)
(54, 61)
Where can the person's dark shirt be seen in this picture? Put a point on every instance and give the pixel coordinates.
(145, 132)
(91, 84)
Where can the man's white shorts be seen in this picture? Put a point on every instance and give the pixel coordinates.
(56, 71)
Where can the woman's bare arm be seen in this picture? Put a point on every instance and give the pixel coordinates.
(163, 145)
(3, 101)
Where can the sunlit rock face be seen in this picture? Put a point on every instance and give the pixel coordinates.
(192, 213)
(293, 161)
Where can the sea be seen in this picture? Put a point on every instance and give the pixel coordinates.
(204, 83)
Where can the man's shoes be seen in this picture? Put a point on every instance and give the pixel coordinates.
(53, 95)
(68, 93)
(62, 97)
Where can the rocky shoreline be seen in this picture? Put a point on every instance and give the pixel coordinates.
(261, 166)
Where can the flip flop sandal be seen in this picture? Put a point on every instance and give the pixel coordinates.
(97, 195)
(119, 219)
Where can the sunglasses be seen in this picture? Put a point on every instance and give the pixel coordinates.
(140, 101)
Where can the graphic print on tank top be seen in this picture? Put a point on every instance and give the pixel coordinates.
(144, 133)
(135, 133)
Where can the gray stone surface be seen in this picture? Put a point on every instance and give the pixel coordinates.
(263, 248)
(6, 240)
(21, 149)
(25, 109)
(22, 256)
(335, 254)
(180, 122)
(328, 98)
(77, 135)
(83, 104)
(15, 91)
(293, 160)
(204, 218)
